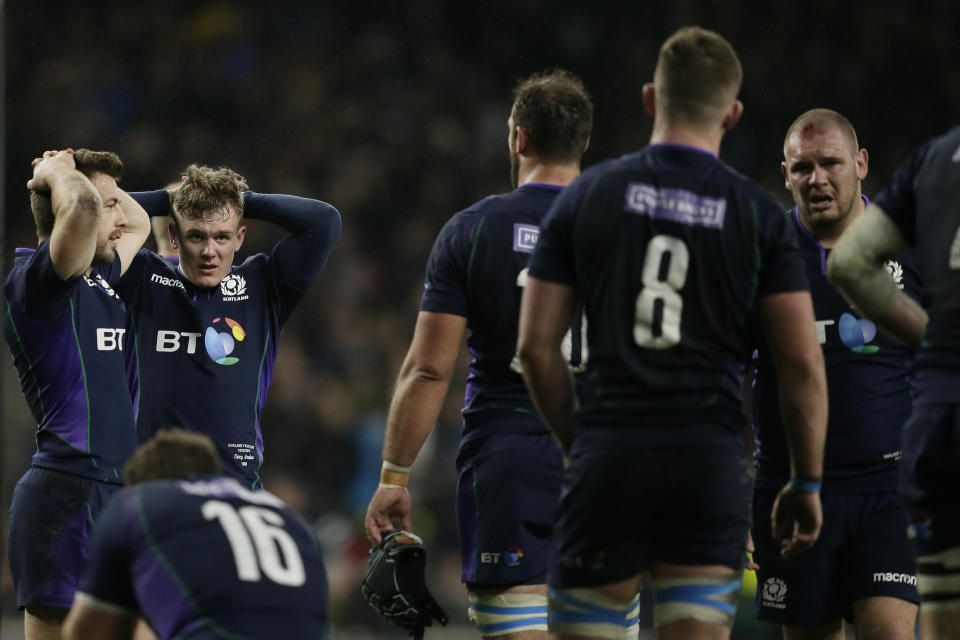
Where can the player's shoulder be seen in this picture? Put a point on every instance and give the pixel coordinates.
(253, 262)
(23, 258)
(943, 148)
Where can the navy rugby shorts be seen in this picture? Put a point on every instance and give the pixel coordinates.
(863, 552)
(51, 514)
(507, 498)
(626, 507)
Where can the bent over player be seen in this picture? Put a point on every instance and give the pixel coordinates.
(920, 208)
(66, 329)
(208, 331)
(198, 555)
(862, 567)
(670, 251)
(508, 464)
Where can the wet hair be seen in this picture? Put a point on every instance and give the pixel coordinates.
(205, 193)
(556, 112)
(89, 163)
(698, 75)
(173, 454)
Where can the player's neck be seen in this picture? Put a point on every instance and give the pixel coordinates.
(708, 141)
(558, 174)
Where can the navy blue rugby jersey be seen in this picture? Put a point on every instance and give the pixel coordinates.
(923, 200)
(867, 382)
(206, 558)
(205, 356)
(670, 250)
(477, 269)
(68, 338)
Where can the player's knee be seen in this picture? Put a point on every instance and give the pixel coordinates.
(709, 599)
(938, 581)
(496, 614)
(585, 612)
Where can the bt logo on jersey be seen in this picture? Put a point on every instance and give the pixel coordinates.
(221, 344)
(110, 339)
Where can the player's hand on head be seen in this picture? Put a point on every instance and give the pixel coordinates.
(45, 167)
(796, 520)
(388, 509)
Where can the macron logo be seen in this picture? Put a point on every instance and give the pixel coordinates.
(165, 281)
(525, 237)
(903, 578)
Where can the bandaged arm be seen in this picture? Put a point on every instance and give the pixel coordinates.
(856, 268)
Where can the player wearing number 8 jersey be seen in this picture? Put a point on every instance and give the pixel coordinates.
(508, 464)
(671, 252)
(198, 555)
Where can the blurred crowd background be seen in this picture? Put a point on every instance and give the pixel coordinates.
(395, 112)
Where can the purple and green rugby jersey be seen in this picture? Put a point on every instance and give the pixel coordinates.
(477, 269)
(68, 339)
(206, 558)
(205, 356)
(670, 251)
(867, 382)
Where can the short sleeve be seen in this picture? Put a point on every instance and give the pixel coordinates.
(38, 287)
(553, 257)
(445, 286)
(782, 267)
(108, 577)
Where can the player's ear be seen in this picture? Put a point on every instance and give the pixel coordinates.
(733, 115)
(523, 141)
(786, 175)
(172, 231)
(649, 95)
(241, 233)
(863, 164)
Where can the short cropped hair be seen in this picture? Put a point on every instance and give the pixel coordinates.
(698, 75)
(556, 112)
(173, 454)
(823, 116)
(206, 191)
(89, 163)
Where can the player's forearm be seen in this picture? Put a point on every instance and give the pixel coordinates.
(413, 413)
(870, 288)
(314, 227)
(138, 221)
(904, 319)
(856, 264)
(72, 195)
(155, 203)
(804, 407)
(77, 207)
(299, 216)
(551, 388)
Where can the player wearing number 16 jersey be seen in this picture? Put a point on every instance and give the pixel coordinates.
(198, 555)
(671, 252)
(508, 464)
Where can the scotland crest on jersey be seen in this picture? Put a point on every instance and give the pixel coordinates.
(895, 269)
(233, 288)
